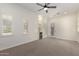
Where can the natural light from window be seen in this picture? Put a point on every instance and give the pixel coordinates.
(25, 26)
(6, 25)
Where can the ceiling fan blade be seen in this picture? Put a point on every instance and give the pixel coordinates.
(40, 9)
(40, 4)
(51, 6)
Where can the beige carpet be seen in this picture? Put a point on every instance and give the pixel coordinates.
(46, 47)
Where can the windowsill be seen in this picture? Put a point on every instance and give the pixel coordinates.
(7, 34)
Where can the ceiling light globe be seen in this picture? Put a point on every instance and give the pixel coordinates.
(45, 8)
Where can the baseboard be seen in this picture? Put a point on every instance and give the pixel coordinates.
(20, 43)
(63, 38)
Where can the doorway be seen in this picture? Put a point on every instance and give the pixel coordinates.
(40, 32)
(52, 29)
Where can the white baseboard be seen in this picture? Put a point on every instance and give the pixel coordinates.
(14, 45)
(63, 38)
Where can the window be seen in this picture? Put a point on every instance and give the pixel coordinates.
(25, 26)
(6, 25)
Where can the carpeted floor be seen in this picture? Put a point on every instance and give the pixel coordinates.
(45, 47)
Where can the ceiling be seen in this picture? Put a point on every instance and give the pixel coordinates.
(62, 8)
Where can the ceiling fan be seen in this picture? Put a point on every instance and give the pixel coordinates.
(45, 7)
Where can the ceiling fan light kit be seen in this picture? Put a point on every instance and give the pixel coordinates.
(45, 9)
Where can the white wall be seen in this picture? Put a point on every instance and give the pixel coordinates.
(66, 26)
(18, 37)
